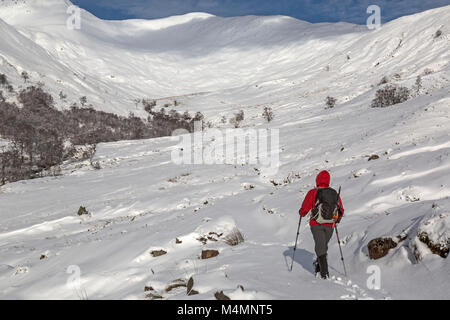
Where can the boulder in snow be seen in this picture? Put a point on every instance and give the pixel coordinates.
(221, 296)
(207, 254)
(379, 247)
(157, 253)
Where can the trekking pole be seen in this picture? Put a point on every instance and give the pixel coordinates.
(340, 249)
(296, 239)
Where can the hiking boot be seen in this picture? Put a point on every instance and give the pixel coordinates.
(316, 267)
(323, 265)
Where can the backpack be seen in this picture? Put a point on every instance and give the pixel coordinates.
(326, 208)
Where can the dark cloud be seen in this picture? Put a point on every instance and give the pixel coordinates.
(353, 11)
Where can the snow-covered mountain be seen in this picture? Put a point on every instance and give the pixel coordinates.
(141, 201)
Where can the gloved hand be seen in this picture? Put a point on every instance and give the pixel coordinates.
(339, 217)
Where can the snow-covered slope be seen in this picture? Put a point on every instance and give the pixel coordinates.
(141, 201)
(116, 62)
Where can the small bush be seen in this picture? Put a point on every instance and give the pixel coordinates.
(62, 96)
(83, 101)
(82, 211)
(330, 102)
(418, 84)
(268, 114)
(390, 95)
(148, 105)
(237, 119)
(3, 80)
(25, 76)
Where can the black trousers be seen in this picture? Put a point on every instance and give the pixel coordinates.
(322, 235)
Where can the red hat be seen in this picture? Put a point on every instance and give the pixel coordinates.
(323, 179)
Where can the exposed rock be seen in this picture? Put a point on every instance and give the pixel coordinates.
(380, 247)
(434, 234)
(221, 296)
(178, 241)
(212, 236)
(207, 254)
(374, 157)
(157, 253)
(440, 249)
(148, 288)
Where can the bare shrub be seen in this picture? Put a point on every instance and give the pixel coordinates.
(390, 95)
(62, 96)
(237, 119)
(162, 123)
(3, 80)
(234, 238)
(268, 114)
(418, 84)
(330, 102)
(148, 104)
(25, 76)
(83, 101)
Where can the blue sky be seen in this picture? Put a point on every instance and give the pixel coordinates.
(353, 11)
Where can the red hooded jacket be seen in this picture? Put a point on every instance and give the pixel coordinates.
(322, 181)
